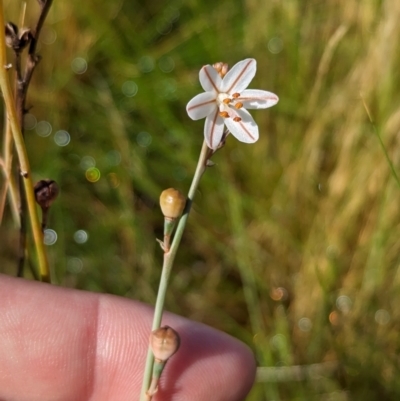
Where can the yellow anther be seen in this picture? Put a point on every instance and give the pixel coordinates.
(236, 95)
(226, 101)
(238, 105)
(224, 114)
(237, 119)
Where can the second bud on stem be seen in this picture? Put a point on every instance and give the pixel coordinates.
(164, 342)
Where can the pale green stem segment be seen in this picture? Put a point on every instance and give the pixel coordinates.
(44, 270)
(157, 370)
(169, 258)
(169, 226)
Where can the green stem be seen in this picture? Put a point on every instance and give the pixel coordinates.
(391, 166)
(22, 155)
(169, 258)
(389, 161)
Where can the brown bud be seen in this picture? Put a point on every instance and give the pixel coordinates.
(11, 34)
(164, 342)
(16, 39)
(46, 192)
(172, 203)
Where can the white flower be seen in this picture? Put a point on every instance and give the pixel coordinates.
(225, 100)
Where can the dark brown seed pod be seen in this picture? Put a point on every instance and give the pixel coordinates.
(15, 38)
(46, 192)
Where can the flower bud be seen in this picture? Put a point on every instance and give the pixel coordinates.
(218, 66)
(46, 192)
(164, 342)
(221, 68)
(224, 70)
(172, 203)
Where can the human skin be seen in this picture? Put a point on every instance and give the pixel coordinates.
(67, 345)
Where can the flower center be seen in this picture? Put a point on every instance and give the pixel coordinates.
(223, 98)
(227, 105)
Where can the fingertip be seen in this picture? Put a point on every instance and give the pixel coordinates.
(95, 345)
(209, 365)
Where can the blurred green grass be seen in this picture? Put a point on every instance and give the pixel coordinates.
(293, 243)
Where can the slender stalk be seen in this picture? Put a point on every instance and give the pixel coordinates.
(21, 90)
(9, 185)
(19, 105)
(169, 258)
(33, 58)
(389, 161)
(22, 224)
(22, 155)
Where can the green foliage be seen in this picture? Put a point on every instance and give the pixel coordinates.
(293, 243)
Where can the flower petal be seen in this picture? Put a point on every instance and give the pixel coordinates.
(239, 76)
(209, 79)
(257, 99)
(245, 130)
(213, 129)
(201, 105)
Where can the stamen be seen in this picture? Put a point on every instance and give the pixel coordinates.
(238, 105)
(226, 101)
(224, 114)
(237, 119)
(236, 95)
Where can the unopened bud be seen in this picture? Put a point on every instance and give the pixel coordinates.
(224, 69)
(221, 68)
(46, 192)
(218, 66)
(164, 342)
(172, 203)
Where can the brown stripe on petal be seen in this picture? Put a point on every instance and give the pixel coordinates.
(243, 99)
(201, 104)
(246, 131)
(209, 77)
(213, 127)
(240, 75)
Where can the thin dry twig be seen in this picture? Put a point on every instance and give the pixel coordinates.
(22, 154)
(25, 37)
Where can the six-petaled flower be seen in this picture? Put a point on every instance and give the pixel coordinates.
(225, 101)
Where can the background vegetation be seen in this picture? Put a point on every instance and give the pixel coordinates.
(293, 244)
